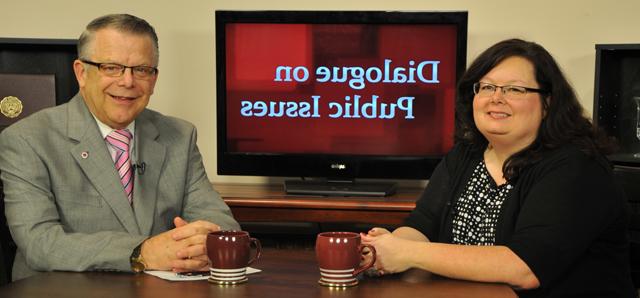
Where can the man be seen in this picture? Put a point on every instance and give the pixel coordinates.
(102, 183)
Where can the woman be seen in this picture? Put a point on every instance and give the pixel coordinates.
(526, 196)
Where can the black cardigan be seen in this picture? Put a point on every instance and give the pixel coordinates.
(565, 218)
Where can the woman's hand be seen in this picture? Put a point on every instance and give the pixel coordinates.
(393, 254)
(366, 253)
(377, 232)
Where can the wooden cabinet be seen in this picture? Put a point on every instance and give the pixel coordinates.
(269, 203)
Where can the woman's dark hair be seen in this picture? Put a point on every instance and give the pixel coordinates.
(564, 121)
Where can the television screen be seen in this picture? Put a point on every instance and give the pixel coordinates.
(337, 94)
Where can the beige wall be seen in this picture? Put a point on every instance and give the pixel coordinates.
(186, 86)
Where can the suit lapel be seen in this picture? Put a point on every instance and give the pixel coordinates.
(93, 158)
(145, 190)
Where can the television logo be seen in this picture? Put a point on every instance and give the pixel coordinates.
(338, 166)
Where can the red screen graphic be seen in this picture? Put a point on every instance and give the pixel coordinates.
(296, 88)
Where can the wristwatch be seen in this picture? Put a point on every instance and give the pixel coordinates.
(137, 262)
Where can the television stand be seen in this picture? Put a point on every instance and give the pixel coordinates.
(339, 188)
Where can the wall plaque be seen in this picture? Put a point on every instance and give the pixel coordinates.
(23, 94)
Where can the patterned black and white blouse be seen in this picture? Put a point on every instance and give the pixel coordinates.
(478, 209)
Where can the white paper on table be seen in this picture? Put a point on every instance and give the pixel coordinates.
(172, 276)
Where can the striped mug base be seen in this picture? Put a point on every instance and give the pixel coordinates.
(337, 278)
(228, 276)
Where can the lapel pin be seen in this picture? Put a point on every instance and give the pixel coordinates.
(84, 154)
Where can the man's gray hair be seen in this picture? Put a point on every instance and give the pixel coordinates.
(121, 22)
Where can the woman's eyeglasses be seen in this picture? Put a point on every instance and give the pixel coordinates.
(510, 91)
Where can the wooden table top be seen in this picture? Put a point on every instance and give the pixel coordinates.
(286, 273)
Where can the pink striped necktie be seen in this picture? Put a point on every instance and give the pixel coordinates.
(119, 140)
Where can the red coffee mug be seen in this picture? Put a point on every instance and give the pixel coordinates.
(338, 255)
(229, 255)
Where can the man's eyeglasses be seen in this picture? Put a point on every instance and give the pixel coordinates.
(117, 70)
(512, 92)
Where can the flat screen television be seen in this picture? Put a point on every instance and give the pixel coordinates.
(336, 95)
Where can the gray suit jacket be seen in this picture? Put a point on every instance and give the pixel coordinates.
(65, 206)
